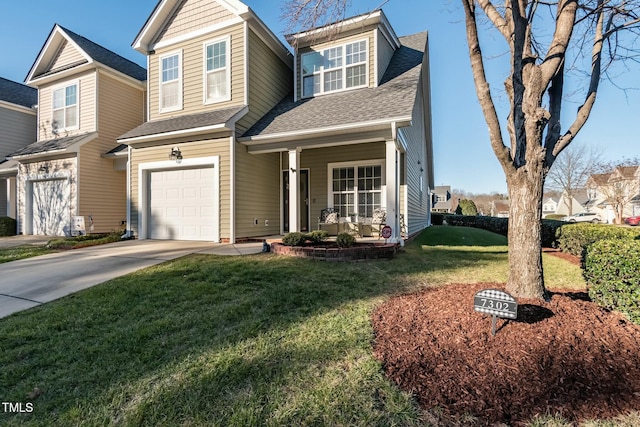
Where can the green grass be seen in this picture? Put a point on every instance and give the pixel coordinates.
(230, 341)
(55, 245)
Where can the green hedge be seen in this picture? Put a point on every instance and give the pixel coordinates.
(612, 273)
(436, 218)
(8, 226)
(501, 226)
(299, 239)
(576, 238)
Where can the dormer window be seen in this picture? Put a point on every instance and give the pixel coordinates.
(334, 69)
(65, 107)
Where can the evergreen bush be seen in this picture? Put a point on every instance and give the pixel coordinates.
(576, 238)
(8, 226)
(612, 273)
(345, 240)
(294, 239)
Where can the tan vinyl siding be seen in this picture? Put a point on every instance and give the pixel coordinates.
(86, 104)
(270, 80)
(385, 53)
(194, 15)
(102, 189)
(364, 34)
(18, 130)
(66, 55)
(257, 193)
(317, 159)
(206, 148)
(192, 52)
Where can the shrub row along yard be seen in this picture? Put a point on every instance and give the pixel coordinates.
(610, 256)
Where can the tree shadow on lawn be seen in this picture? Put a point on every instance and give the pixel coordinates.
(88, 349)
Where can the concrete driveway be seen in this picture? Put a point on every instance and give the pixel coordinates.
(34, 281)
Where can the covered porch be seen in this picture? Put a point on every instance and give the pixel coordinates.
(354, 173)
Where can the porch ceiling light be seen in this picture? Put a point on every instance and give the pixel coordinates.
(176, 155)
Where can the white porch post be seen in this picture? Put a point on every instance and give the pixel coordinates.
(392, 174)
(294, 190)
(12, 198)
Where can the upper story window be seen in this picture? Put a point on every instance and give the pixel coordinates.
(65, 107)
(334, 69)
(217, 84)
(170, 82)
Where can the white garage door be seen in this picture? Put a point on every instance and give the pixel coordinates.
(181, 205)
(50, 207)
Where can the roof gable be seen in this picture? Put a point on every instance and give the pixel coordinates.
(166, 18)
(65, 50)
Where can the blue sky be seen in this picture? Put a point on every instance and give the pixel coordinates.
(463, 157)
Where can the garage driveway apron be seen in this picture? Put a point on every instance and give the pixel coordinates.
(34, 281)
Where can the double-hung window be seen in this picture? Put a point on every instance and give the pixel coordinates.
(217, 71)
(357, 189)
(65, 107)
(170, 82)
(334, 69)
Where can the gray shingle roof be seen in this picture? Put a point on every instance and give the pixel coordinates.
(104, 56)
(186, 122)
(50, 145)
(17, 93)
(393, 98)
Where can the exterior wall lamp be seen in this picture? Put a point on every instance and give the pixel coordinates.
(176, 155)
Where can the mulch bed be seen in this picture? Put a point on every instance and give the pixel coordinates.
(575, 260)
(567, 357)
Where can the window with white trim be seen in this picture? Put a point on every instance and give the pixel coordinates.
(334, 69)
(170, 82)
(357, 190)
(217, 72)
(65, 107)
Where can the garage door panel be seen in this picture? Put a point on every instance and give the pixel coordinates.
(50, 207)
(182, 204)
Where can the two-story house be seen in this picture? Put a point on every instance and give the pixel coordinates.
(87, 96)
(17, 129)
(246, 139)
(616, 194)
(442, 199)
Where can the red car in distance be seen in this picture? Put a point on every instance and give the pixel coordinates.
(632, 220)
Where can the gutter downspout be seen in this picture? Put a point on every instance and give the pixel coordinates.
(128, 234)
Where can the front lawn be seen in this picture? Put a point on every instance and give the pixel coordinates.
(234, 341)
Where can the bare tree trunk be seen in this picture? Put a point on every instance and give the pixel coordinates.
(525, 236)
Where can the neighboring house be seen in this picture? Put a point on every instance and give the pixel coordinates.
(549, 206)
(246, 140)
(441, 199)
(576, 203)
(615, 195)
(87, 96)
(18, 126)
(500, 208)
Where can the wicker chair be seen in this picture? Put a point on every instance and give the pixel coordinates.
(329, 220)
(378, 221)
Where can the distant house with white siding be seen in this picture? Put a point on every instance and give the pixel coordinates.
(18, 126)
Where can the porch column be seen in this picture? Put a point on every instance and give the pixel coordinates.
(392, 174)
(11, 197)
(294, 190)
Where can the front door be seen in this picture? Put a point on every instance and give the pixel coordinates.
(303, 208)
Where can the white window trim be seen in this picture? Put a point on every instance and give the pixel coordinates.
(205, 86)
(355, 165)
(344, 67)
(65, 85)
(161, 84)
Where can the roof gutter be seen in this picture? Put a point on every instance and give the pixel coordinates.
(395, 123)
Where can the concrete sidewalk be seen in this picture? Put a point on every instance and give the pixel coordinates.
(33, 281)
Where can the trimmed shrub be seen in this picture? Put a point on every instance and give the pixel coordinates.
(554, 216)
(8, 226)
(612, 273)
(317, 236)
(345, 240)
(436, 218)
(501, 226)
(576, 238)
(294, 239)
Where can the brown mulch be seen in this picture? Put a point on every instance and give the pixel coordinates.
(567, 357)
(575, 260)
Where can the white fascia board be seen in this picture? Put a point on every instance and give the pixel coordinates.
(388, 32)
(268, 37)
(19, 108)
(63, 74)
(374, 17)
(70, 40)
(172, 134)
(197, 33)
(253, 140)
(152, 26)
